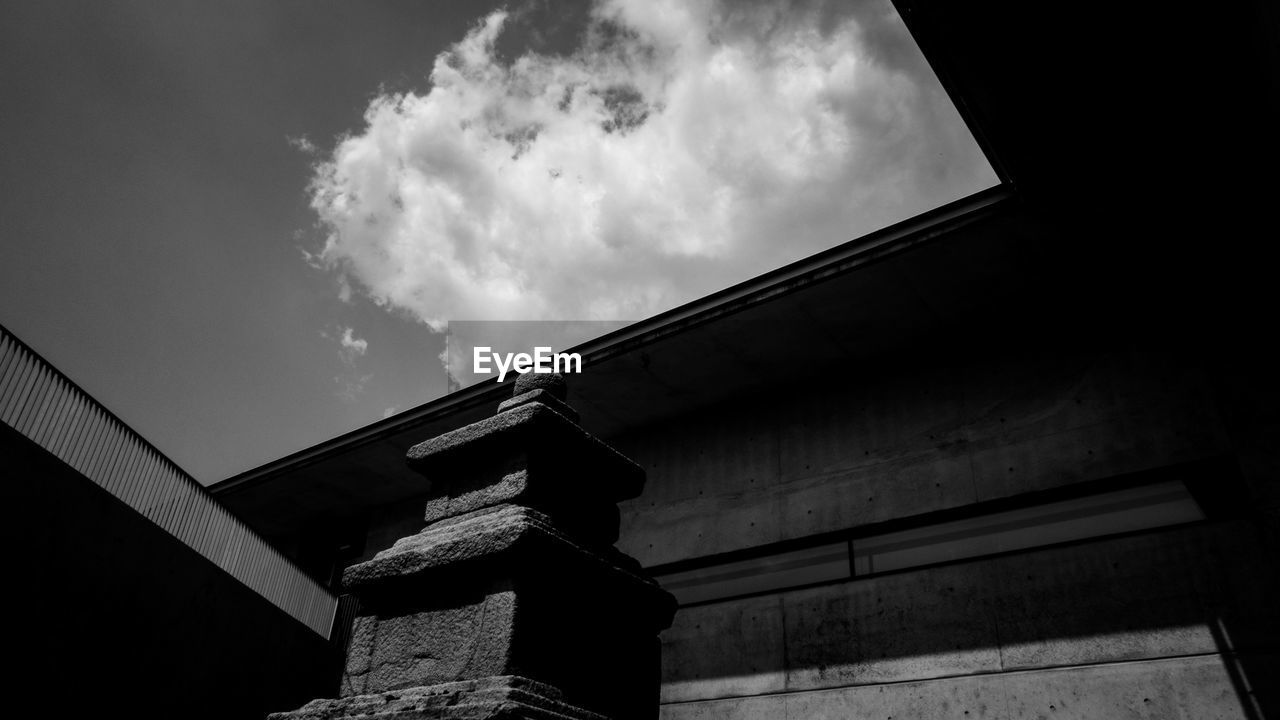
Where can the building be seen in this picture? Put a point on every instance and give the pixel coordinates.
(1017, 457)
(133, 588)
(1012, 458)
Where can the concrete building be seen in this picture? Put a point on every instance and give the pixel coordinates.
(1017, 457)
(130, 588)
(1013, 458)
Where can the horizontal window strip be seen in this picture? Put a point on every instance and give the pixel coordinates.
(1128, 510)
(1144, 507)
(801, 567)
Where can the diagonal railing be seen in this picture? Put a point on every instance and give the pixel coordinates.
(42, 404)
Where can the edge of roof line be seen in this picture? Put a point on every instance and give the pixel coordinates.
(813, 269)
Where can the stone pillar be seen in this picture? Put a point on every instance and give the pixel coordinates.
(512, 602)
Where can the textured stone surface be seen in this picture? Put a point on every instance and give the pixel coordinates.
(533, 455)
(399, 649)
(492, 698)
(551, 383)
(503, 592)
(514, 541)
(532, 452)
(541, 396)
(514, 576)
(500, 592)
(587, 514)
(535, 429)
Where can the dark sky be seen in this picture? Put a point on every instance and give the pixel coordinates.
(155, 197)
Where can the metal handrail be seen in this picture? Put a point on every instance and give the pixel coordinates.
(40, 402)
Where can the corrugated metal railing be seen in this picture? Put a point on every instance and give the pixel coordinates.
(44, 405)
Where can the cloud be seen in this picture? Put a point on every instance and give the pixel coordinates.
(353, 344)
(302, 144)
(351, 383)
(351, 386)
(685, 146)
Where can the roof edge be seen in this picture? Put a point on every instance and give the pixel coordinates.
(825, 265)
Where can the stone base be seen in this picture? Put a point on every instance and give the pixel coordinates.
(504, 592)
(505, 697)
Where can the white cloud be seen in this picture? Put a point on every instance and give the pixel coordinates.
(351, 383)
(302, 144)
(353, 344)
(687, 145)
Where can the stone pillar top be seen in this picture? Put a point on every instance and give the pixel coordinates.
(550, 389)
(531, 451)
(552, 382)
(512, 600)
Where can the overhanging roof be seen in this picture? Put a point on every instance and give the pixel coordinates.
(833, 309)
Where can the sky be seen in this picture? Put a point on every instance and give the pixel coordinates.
(244, 226)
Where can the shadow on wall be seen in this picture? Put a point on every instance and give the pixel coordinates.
(1175, 623)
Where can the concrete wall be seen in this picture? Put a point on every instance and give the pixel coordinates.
(1172, 623)
(1169, 623)
(107, 613)
(932, 431)
(1154, 625)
